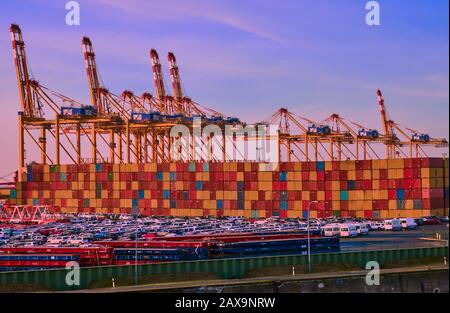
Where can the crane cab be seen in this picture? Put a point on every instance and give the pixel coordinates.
(319, 130)
(420, 137)
(368, 133)
(84, 111)
(141, 117)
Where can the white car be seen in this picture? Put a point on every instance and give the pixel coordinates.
(363, 228)
(393, 224)
(331, 230)
(348, 230)
(376, 226)
(408, 223)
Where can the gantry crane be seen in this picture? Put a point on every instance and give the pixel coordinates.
(414, 139)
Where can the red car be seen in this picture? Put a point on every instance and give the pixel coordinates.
(432, 221)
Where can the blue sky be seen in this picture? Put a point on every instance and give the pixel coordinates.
(244, 58)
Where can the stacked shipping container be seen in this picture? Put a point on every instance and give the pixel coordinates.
(369, 188)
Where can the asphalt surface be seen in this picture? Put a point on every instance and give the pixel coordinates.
(422, 236)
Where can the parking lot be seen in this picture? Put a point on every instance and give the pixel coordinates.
(376, 240)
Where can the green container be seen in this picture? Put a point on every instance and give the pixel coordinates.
(192, 167)
(205, 167)
(13, 193)
(344, 195)
(110, 176)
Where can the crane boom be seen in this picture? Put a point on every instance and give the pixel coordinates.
(23, 78)
(157, 75)
(384, 117)
(175, 77)
(91, 71)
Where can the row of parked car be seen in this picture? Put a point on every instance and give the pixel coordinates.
(353, 228)
(85, 229)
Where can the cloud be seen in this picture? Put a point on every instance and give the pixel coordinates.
(169, 11)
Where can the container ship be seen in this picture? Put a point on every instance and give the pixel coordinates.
(321, 168)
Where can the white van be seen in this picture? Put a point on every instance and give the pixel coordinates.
(393, 224)
(408, 223)
(331, 230)
(363, 228)
(348, 230)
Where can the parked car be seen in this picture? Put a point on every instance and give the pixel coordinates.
(393, 224)
(432, 221)
(408, 223)
(376, 226)
(348, 230)
(331, 230)
(363, 228)
(444, 219)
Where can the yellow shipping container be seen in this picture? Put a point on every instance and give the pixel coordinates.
(328, 165)
(400, 174)
(268, 195)
(409, 204)
(313, 176)
(335, 185)
(298, 166)
(135, 185)
(351, 166)
(359, 214)
(290, 176)
(298, 176)
(392, 173)
(375, 174)
(392, 204)
(335, 205)
(368, 194)
(384, 214)
(265, 176)
(351, 175)
(297, 205)
(367, 174)
(312, 214)
(166, 185)
(291, 186)
(239, 176)
(154, 203)
(320, 195)
(305, 195)
(336, 195)
(265, 186)
(367, 205)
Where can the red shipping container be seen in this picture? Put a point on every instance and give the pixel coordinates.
(436, 193)
(392, 194)
(344, 205)
(328, 185)
(335, 175)
(384, 184)
(343, 175)
(367, 214)
(359, 175)
(359, 165)
(343, 185)
(367, 184)
(305, 176)
(321, 176)
(328, 195)
(335, 165)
